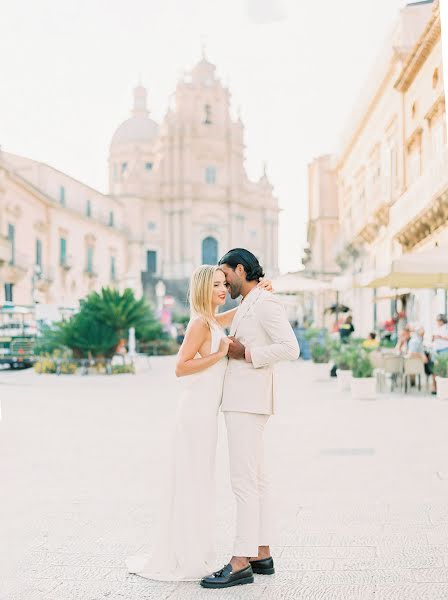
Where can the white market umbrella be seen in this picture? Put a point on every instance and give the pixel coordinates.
(295, 283)
(428, 269)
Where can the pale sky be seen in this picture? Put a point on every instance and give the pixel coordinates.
(295, 67)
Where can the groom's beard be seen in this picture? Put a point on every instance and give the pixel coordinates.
(234, 291)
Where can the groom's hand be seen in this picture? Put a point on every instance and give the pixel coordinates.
(236, 350)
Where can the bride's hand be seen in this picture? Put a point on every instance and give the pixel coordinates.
(265, 284)
(224, 346)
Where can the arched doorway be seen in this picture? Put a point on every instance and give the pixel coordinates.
(209, 251)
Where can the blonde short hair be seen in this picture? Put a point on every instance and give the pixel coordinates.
(201, 292)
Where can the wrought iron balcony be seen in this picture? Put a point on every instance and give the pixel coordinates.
(424, 205)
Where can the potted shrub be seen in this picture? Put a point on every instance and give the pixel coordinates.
(363, 383)
(320, 354)
(343, 361)
(441, 373)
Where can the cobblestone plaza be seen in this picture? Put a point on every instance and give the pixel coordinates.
(361, 489)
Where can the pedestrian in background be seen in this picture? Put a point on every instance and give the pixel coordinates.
(440, 337)
(371, 343)
(346, 329)
(403, 341)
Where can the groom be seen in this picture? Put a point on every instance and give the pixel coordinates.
(261, 337)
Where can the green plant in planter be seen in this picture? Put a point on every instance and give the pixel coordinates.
(361, 365)
(345, 357)
(320, 353)
(311, 333)
(441, 365)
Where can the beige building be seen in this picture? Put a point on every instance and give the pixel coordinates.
(392, 171)
(323, 218)
(179, 196)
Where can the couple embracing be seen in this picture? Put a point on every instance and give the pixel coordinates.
(235, 374)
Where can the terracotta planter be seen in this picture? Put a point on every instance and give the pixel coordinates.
(442, 388)
(363, 388)
(344, 378)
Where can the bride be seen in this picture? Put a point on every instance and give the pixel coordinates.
(185, 550)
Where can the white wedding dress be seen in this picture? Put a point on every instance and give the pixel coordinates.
(184, 550)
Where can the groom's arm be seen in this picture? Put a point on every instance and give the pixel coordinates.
(272, 317)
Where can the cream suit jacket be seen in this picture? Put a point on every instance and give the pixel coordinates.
(261, 325)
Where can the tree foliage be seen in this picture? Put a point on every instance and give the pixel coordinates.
(103, 319)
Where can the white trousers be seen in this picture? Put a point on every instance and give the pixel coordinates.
(250, 483)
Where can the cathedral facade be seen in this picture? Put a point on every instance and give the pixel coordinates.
(178, 196)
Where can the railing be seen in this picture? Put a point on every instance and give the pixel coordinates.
(19, 261)
(420, 194)
(5, 249)
(67, 262)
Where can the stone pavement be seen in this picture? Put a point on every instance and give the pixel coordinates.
(362, 490)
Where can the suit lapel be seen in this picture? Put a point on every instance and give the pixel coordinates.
(244, 307)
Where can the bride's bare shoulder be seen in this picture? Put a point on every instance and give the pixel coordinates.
(197, 324)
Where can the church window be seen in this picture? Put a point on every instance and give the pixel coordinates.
(148, 166)
(12, 239)
(210, 175)
(151, 261)
(89, 265)
(111, 218)
(209, 251)
(62, 251)
(113, 270)
(124, 167)
(88, 208)
(38, 256)
(207, 114)
(62, 195)
(152, 226)
(8, 292)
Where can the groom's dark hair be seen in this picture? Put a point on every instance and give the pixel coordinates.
(240, 256)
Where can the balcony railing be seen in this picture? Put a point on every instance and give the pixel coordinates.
(420, 194)
(67, 262)
(44, 278)
(15, 268)
(5, 249)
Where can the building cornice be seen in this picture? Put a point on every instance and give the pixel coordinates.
(422, 49)
(50, 202)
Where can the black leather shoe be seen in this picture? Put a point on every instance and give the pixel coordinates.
(264, 566)
(227, 578)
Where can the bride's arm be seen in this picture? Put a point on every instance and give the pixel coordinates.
(225, 319)
(195, 336)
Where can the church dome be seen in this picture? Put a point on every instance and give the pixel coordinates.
(139, 127)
